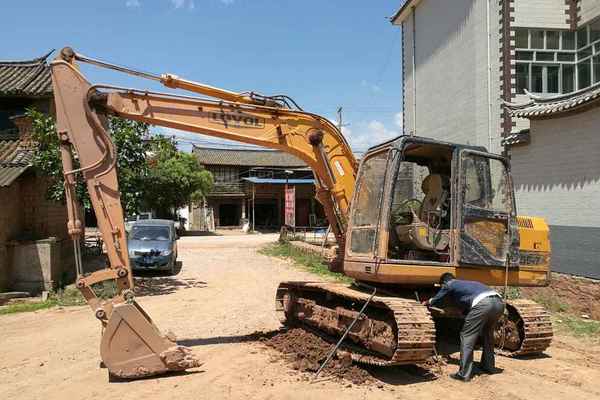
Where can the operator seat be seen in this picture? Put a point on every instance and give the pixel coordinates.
(435, 196)
(425, 231)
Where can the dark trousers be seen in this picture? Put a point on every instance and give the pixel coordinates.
(480, 322)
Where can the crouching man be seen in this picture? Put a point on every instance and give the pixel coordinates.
(482, 307)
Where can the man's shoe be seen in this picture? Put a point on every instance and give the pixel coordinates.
(492, 371)
(459, 377)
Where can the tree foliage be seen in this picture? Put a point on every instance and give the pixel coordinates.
(174, 178)
(152, 173)
(47, 158)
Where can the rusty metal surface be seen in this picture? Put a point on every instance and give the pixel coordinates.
(396, 331)
(529, 329)
(131, 345)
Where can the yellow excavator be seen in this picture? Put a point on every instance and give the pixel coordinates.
(413, 210)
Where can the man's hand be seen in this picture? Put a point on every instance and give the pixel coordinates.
(425, 303)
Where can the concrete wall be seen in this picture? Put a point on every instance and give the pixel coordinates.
(36, 265)
(452, 72)
(548, 14)
(588, 11)
(26, 216)
(557, 177)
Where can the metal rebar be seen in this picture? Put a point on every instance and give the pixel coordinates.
(104, 64)
(77, 254)
(336, 347)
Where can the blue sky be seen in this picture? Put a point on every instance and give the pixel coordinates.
(324, 54)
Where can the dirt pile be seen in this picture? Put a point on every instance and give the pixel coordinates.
(307, 351)
(570, 294)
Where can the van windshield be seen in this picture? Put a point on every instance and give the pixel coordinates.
(141, 232)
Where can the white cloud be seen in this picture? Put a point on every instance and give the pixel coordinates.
(367, 134)
(371, 86)
(133, 4)
(399, 121)
(189, 4)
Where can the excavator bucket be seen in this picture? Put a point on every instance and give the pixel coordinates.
(133, 347)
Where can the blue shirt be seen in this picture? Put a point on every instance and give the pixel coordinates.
(461, 292)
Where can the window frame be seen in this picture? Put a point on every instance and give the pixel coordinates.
(391, 155)
(584, 53)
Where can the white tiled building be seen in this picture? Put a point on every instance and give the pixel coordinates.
(462, 59)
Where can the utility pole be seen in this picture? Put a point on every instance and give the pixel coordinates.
(340, 120)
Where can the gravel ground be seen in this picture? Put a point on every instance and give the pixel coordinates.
(220, 298)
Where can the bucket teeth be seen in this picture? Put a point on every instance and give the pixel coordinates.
(132, 346)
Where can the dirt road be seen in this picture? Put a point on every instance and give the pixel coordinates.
(223, 293)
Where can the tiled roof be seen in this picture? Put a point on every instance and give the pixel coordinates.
(547, 107)
(521, 137)
(26, 78)
(15, 158)
(249, 158)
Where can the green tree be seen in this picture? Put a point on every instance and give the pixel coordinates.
(152, 173)
(47, 158)
(174, 178)
(128, 137)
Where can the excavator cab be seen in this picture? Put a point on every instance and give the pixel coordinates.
(421, 202)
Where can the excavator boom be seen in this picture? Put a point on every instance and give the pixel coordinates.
(132, 345)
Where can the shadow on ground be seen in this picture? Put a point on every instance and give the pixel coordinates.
(156, 283)
(397, 375)
(251, 337)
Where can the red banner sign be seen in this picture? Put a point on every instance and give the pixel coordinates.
(290, 206)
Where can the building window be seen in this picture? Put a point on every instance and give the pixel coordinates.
(581, 54)
(595, 30)
(522, 38)
(552, 79)
(568, 40)
(553, 40)
(543, 56)
(225, 174)
(567, 57)
(537, 79)
(537, 39)
(582, 37)
(554, 61)
(584, 74)
(522, 78)
(568, 78)
(525, 55)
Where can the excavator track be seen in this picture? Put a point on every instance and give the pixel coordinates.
(392, 331)
(526, 329)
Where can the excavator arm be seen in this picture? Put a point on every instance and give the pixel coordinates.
(131, 345)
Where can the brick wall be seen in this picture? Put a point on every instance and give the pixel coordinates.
(26, 214)
(41, 217)
(10, 226)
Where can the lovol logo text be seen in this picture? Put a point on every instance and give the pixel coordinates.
(236, 119)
